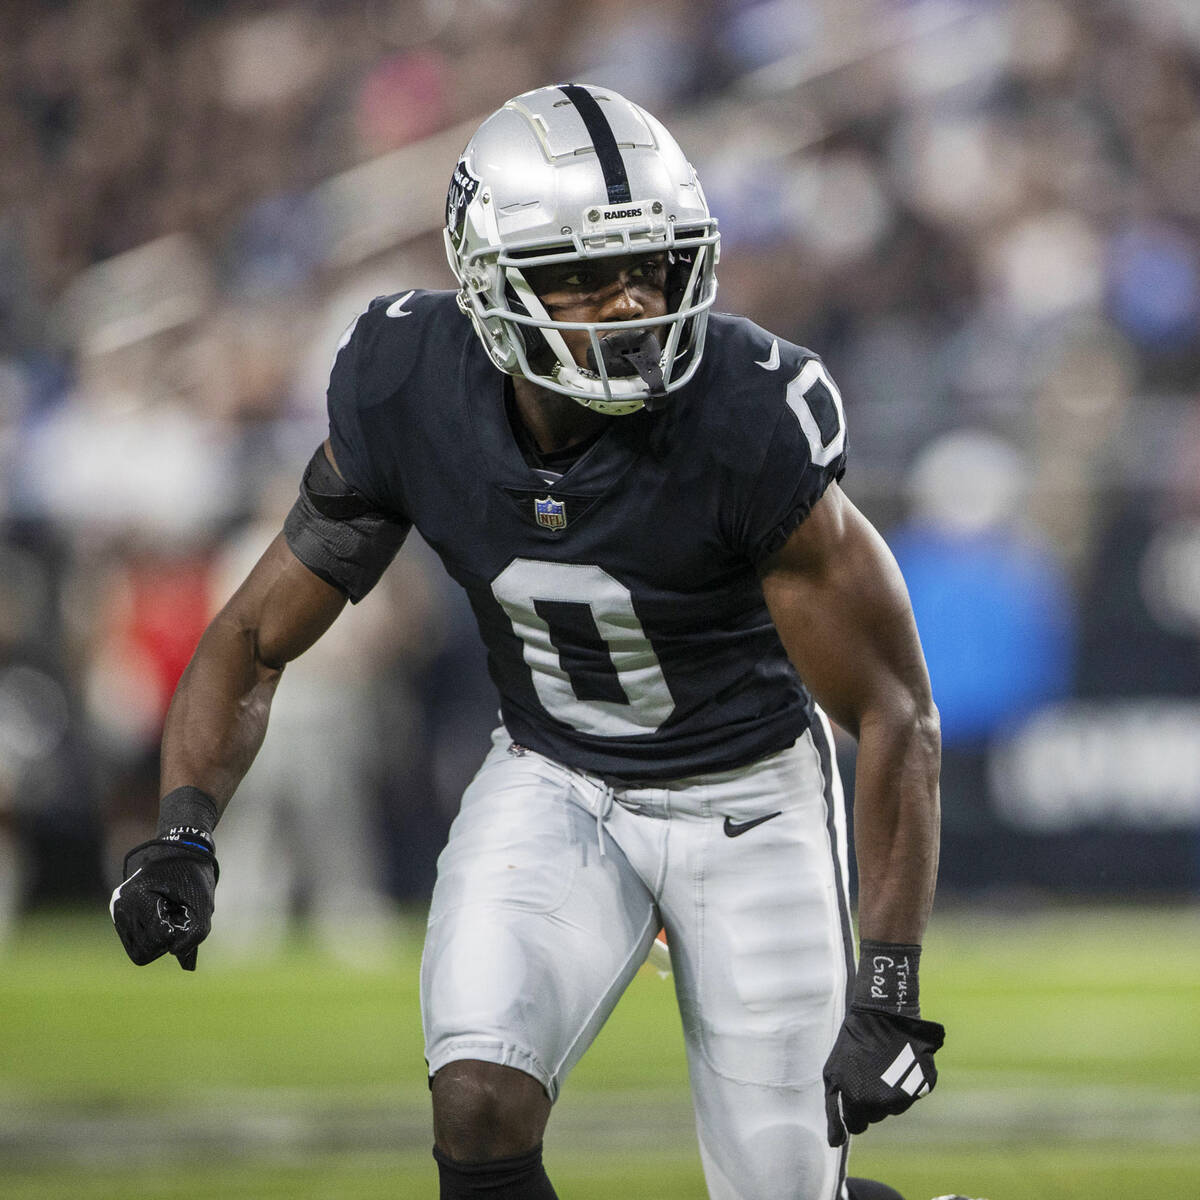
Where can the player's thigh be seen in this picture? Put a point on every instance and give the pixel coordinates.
(757, 918)
(760, 939)
(533, 935)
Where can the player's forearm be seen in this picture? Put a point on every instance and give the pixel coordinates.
(897, 822)
(218, 717)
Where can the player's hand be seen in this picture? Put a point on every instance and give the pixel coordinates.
(880, 1064)
(165, 902)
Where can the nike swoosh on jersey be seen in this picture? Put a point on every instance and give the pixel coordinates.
(117, 892)
(737, 828)
(397, 309)
(771, 362)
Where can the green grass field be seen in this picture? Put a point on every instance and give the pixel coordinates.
(1071, 1069)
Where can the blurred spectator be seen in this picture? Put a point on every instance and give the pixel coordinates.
(37, 723)
(139, 612)
(992, 603)
(401, 101)
(1084, 425)
(652, 51)
(1141, 633)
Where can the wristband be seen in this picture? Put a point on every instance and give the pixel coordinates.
(887, 978)
(188, 815)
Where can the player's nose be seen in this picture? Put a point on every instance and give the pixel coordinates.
(623, 302)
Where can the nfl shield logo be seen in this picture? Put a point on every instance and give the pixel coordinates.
(550, 514)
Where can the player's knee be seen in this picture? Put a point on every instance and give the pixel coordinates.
(483, 1111)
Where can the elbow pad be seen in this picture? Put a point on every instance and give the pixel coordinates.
(338, 534)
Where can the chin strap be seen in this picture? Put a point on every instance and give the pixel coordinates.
(634, 348)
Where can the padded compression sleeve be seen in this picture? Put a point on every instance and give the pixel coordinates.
(338, 534)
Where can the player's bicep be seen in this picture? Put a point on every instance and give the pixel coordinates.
(842, 611)
(282, 607)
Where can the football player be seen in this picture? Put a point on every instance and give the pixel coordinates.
(640, 497)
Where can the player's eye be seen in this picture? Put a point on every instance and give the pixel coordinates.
(648, 268)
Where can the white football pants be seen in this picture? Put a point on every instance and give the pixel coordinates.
(553, 885)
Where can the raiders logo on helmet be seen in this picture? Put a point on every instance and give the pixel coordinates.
(463, 186)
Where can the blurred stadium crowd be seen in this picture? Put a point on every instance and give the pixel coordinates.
(985, 215)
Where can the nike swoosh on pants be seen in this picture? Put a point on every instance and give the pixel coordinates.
(736, 829)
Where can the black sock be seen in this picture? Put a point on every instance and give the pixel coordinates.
(521, 1177)
(870, 1189)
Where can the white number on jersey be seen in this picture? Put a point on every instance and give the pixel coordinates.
(811, 374)
(592, 665)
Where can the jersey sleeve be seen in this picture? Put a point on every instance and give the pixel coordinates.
(806, 452)
(352, 410)
(347, 525)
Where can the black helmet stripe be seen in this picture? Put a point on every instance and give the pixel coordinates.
(604, 141)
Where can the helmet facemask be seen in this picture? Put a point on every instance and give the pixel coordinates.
(624, 371)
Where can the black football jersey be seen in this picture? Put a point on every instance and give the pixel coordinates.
(620, 605)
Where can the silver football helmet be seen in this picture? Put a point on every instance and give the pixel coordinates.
(567, 173)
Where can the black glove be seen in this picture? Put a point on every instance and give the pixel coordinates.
(882, 1060)
(165, 902)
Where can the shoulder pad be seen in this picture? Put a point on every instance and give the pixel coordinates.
(751, 357)
(392, 337)
(758, 375)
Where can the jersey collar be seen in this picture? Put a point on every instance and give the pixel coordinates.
(596, 470)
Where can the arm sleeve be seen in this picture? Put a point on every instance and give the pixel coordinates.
(805, 454)
(338, 534)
